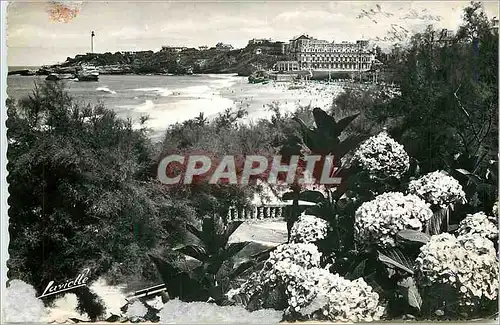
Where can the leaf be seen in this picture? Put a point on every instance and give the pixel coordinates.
(288, 196)
(359, 270)
(241, 268)
(194, 251)
(209, 230)
(310, 138)
(414, 236)
(179, 284)
(410, 292)
(233, 249)
(343, 123)
(473, 178)
(325, 123)
(395, 258)
(242, 299)
(312, 196)
(435, 223)
(347, 145)
(230, 229)
(195, 231)
(263, 255)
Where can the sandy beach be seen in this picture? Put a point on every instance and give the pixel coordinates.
(257, 98)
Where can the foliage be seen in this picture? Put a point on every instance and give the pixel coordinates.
(80, 195)
(209, 279)
(448, 102)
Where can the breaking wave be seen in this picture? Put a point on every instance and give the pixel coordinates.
(164, 92)
(106, 90)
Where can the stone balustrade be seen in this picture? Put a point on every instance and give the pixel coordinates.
(257, 213)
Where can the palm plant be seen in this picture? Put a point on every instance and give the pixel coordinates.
(323, 140)
(210, 278)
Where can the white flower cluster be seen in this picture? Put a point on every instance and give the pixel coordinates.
(286, 256)
(494, 210)
(437, 188)
(304, 255)
(311, 290)
(382, 157)
(378, 221)
(467, 263)
(308, 229)
(330, 296)
(478, 224)
(353, 301)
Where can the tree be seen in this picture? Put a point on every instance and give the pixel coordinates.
(80, 195)
(449, 94)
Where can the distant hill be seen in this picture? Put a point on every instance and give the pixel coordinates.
(242, 61)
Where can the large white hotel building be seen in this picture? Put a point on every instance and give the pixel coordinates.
(307, 53)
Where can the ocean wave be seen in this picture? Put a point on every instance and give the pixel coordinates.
(202, 91)
(164, 92)
(106, 90)
(223, 81)
(161, 116)
(147, 106)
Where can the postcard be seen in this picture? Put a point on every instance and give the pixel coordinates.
(249, 161)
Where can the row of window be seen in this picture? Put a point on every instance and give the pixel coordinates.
(353, 52)
(332, 49)
(335, 59)
(336, 66)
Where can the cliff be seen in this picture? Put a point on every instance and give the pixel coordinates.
(242, 61)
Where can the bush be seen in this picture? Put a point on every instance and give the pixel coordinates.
(80, 195)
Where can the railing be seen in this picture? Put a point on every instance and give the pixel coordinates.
(263, 212)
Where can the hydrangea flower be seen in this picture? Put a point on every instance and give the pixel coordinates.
(378, 221)
(438, 189)
(310, 290)
(329, 296)
(308, 229)
(467, 263)
(285, 256)
(478, 223)
(382, 157)
(305, 255)
(353, 301)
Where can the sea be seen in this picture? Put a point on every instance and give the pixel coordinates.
(165, 99)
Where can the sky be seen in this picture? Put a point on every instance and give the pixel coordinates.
(47, 32)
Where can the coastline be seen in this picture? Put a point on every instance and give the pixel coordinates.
(174, 99)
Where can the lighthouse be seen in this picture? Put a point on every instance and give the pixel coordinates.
(92, 34)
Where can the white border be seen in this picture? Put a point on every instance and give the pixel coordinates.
(4, 194)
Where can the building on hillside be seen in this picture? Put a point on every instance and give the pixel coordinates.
(175, 49)
(136, 52)
(315, 54)
(282, 66)
(446, 36)
(223, 47)
(259, 41)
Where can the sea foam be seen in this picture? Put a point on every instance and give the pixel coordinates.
(106, 90)
(162, 91)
